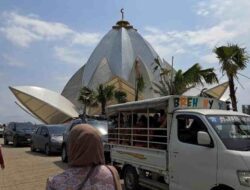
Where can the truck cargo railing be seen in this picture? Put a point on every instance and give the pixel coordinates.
(142, 137)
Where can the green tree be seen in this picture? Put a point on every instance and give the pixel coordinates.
(178, 82)
(104, 94)
(87, 97)
(120, 96)
(232, 58)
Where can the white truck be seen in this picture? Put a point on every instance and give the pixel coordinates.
(202, 146)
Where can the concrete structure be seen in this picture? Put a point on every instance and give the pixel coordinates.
(122, 53)
(46, 105)
(120, 57)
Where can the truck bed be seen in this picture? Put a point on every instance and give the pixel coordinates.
(144, 158)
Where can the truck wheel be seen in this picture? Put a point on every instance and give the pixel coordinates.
(130, 178)
(47, 150)
(15, 142)
(6, 141)
(64, 154)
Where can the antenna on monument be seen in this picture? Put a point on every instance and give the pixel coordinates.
(122, 11)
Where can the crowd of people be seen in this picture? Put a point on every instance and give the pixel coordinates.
(133, 129)
(87, 169)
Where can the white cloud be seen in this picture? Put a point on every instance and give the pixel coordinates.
(23, 30)
(39, 27)
(20, 36)
(224, 10)
(68, 55)
(12, 61)
(231, 25)
(209, 58)
(86, 38)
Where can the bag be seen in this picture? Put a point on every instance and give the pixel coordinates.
(86, 178)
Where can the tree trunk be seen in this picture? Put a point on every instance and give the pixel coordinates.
(85, 109)
(103, 107)
(136, 94)
(232, 92)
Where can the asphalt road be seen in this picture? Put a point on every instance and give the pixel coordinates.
(25, 170)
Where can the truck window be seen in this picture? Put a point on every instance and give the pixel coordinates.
(188, 128)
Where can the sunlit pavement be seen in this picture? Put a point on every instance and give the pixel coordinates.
(25, 170)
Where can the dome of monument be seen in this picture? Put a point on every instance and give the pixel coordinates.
(115, 56)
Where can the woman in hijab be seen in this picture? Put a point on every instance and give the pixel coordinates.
(86, 164)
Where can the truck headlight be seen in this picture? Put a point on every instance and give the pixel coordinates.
(244, 178)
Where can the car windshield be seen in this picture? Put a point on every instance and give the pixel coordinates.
(24, 127)
(56, 129)
(101, 125)
(234, 131)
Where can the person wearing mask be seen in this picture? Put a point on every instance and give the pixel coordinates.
(86, 164)
(1, 158)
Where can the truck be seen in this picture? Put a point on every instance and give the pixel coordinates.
(199, 144)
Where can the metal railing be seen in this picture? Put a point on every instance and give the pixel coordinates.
(142, 137)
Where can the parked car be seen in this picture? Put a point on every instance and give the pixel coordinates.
(18, 133)
(48, 138)
(97, 122)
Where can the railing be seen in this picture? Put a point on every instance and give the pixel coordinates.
(142, 137)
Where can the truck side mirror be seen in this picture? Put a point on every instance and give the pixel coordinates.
(203, 138)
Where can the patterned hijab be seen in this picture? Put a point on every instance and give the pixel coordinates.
(85, 147)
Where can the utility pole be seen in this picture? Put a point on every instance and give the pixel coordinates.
(172, 69)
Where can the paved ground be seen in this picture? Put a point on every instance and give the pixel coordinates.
(25, 170)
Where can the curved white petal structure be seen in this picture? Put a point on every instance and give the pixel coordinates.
(115, 56)
(50, 107)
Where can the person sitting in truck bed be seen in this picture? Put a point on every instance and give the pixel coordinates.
(160, 135)
(140, 135)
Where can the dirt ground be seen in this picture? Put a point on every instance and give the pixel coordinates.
(25, 170)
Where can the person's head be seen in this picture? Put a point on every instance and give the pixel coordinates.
(85, 146)
(162, 112)
(143, 120)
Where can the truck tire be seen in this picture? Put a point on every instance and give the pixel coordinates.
(131, 178)
(64, 156)
(222, 187)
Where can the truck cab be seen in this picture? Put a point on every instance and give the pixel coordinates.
(202, 146)
(209, 149)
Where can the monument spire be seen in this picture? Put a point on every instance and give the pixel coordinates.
(122, 23)
(122, 11)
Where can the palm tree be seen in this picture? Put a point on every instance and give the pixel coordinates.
(120, 96)
(139, 81)
(87, 97)
(104, 94)
(232, 59)
(182, 81)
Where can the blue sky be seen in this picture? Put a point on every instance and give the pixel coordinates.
(42, 43)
